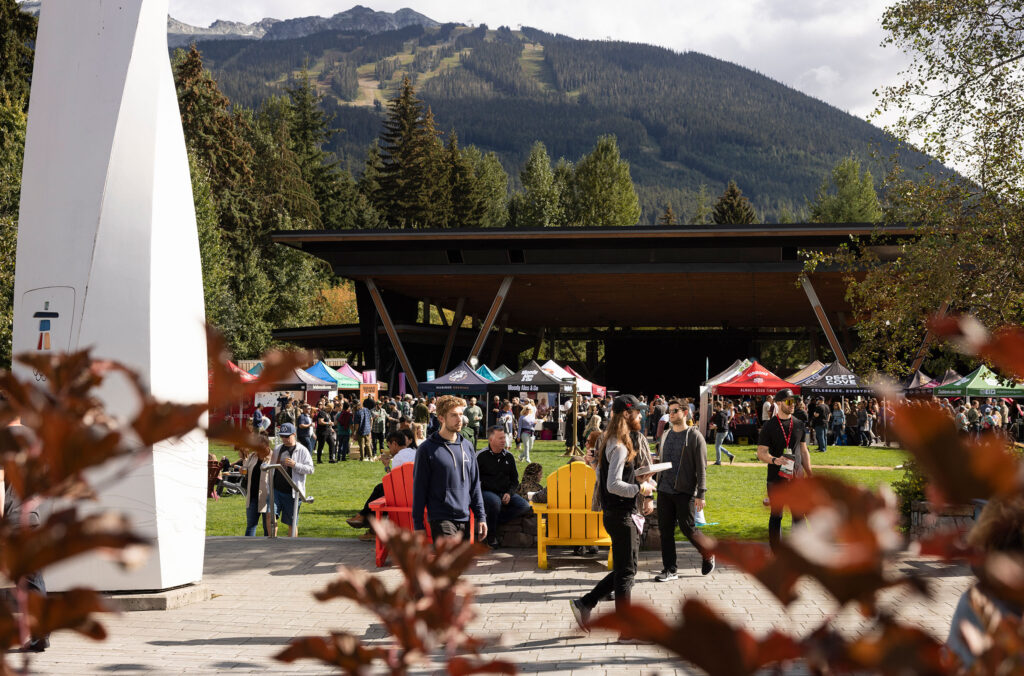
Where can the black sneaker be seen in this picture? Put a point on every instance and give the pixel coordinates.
(581, 613)
(666, 576)
(707, 565)
(36, 646)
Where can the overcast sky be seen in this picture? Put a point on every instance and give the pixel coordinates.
(826, 48)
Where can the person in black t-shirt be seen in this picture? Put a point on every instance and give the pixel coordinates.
(783, 435)
(819, 422)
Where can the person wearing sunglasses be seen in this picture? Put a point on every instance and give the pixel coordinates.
(782, 435)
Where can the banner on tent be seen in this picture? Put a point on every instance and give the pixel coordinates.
(368, 390)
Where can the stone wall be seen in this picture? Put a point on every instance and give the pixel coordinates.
(924, 519)
(522, 533)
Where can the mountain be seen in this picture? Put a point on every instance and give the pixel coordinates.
(359, 18)
(683, 120)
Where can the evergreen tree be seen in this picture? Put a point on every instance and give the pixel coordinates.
(213, 253)
(462, 199)
(309, 129)
(733, 208)
(409, 148)
(212, 131)
(702, 213)
(491, 186)
(669, 217)
(563, 184)
(369, 182)
(540, 203)
(13, 122)
(17, 35)
(602, 189)
(847, 196)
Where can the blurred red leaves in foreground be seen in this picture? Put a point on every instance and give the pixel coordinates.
(847, 540)
(429, 610)
(702, 638)
(65, 431)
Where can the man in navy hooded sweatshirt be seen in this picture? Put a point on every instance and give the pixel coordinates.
(446, 479)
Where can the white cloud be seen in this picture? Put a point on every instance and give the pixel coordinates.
(827, 49)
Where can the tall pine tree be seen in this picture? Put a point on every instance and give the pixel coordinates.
(540, 203)
(409, 152)
(733, 208)
(602, 191)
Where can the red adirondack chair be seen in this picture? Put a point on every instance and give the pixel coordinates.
(397, 504)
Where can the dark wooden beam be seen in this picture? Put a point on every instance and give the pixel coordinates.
(449, 344)
(922, 351)
(500, 339)
(540, 344)
(492, 315)
(826, 326)
(396, 342)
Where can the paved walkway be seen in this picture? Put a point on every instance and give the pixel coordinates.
(262, 599)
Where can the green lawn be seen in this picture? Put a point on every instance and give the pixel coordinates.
(841, 456)
(734, 493)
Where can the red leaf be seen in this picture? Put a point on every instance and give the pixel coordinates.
(460, 666)
(339, 649)
(756, 560)
(959, 468)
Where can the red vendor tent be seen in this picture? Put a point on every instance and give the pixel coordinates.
(754, 380)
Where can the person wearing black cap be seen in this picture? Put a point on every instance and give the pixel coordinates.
(782, 440)
(622, 497)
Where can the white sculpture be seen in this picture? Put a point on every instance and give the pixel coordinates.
(108, 258)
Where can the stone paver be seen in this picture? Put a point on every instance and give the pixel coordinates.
(263, 598)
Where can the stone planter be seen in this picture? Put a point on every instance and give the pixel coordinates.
(925, 519)
(522, 533)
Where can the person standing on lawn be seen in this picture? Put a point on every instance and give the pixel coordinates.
(475, 415)
(681, 489)
(720, 426)
(819, 421)
(297, 463)
(622, 498)
(446, 478)
(783, 435)
(362, 423)
(499, 480)
(325, 433)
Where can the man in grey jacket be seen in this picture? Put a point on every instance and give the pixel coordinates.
(681, 489)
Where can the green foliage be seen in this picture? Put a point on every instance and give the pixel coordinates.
(540, 203)
(509, 89)
(910, 488)
(959, 99)
(702, 212)
(847, 196)
(601, 190)
(410, 150)
(13, 122)
(733, 208)
(17, 35)
(213, 252)
(668, 217)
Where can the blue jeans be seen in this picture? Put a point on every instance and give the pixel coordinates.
(837, 430)
(344, 441)
(527, 446)
(819, 434)
(498, 513)
(719, 448)
(252, 517)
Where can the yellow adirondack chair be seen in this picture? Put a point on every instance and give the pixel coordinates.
(567, 519)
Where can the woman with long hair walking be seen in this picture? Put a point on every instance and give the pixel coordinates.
(622, 499)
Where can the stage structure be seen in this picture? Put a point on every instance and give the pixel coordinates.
(108, 258)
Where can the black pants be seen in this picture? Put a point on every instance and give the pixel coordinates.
(775, 520)
(377, 492)
(447, 529)
(332, 447)
(625, 556)
(675, 509)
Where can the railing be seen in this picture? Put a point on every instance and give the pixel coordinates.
(271, 512)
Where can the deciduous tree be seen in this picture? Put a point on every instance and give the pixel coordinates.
(846, 196)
